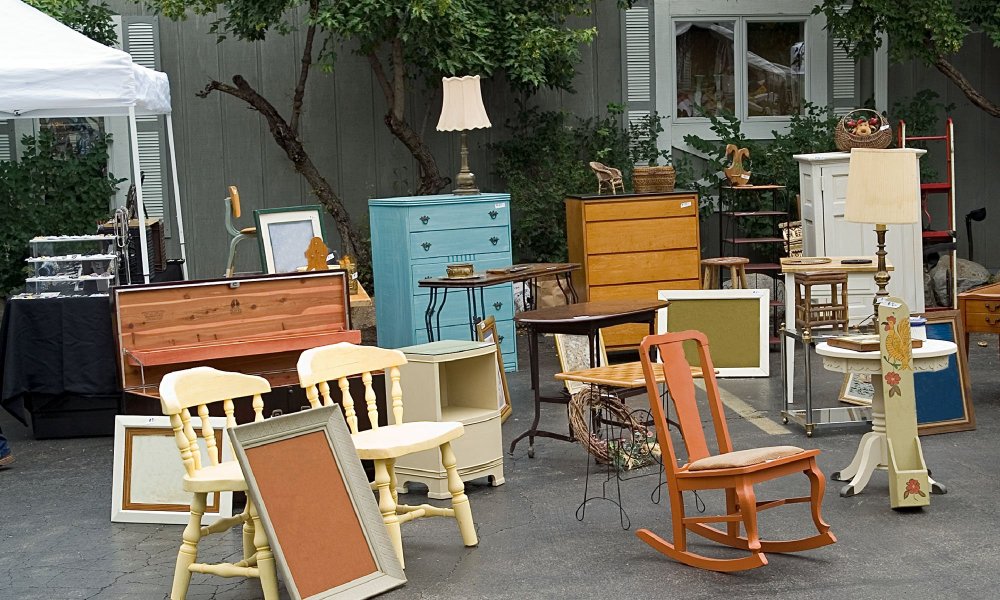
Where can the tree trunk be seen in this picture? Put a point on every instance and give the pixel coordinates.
(290, 143)
(965, 85)
(431, 181)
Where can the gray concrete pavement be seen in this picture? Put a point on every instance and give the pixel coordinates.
(57, 541)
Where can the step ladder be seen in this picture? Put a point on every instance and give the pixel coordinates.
(936, 237)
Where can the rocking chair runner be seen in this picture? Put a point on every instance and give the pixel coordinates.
(735, 472)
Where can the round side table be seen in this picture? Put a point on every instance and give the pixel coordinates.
(872, 452)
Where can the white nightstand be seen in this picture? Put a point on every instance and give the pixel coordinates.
(452, 380)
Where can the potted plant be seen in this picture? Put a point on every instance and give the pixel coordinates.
(647, 175)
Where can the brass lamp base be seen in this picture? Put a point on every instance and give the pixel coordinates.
(882, 275)
(465, 179)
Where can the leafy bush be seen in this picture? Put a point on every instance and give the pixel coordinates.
(50, 191)
(545, 160)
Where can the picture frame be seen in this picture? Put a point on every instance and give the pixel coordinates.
(943, 398)
(321, 518)
(148, 473)
(486, 331)
(284, 235)
(574, 355)
(735, 322)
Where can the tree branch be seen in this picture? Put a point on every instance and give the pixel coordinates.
(383, 81)
(398, 79)
(966, 86)
(307, 57)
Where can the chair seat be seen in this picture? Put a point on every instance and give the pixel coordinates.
(249, 231)
(744, 458)
(223, 477)
(392, 441)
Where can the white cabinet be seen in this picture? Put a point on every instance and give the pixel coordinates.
(452, 380)
(825, 232)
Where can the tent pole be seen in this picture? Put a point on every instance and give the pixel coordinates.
(177, 195)
(133, 135)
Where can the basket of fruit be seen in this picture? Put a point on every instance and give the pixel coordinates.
(862, 128)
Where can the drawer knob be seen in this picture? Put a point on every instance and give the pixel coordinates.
(992, 320)
(426, 246)
(497, 305)
(494, 240)
(992, 307)
(424, 219)
(493, 214)
(501, 339)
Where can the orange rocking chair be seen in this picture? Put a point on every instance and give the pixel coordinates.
(734, 472)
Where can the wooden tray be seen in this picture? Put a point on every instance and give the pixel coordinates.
(863, 343)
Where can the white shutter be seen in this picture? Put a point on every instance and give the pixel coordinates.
(639, 81)
(845, 86)
(6, 140)
(142, 41)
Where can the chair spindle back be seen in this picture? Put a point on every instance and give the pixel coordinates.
(337, 362)
(199, 387)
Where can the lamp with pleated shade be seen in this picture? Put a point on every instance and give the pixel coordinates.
(883, 187)
(463, 110)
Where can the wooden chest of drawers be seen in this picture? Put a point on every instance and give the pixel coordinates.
(980, 309)
(631, 246)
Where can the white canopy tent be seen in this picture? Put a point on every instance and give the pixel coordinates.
(48, 70)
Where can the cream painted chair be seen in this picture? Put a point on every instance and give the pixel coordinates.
(233, 211)
(385, 444)
(197, 388)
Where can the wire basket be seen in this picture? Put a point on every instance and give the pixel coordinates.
(880, 137)
(653, 179)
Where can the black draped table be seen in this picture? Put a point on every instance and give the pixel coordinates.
(59, 365)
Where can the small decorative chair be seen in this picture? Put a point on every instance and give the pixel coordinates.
(235, 235)
(735, 472)
(385, 444)
(809, 314)
(607, 177)
(711, 278)
(199, 387)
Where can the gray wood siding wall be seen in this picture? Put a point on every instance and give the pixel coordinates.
(221, 142)
(976, 138)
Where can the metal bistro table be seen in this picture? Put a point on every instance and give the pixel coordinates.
(585, 318)
(527, 273)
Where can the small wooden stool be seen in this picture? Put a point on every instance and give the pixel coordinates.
(711, 278)
(834, 312)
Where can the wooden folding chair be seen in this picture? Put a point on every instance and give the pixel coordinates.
(735, 472)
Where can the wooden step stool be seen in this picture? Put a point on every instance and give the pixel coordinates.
(834, 312)
(711, 278)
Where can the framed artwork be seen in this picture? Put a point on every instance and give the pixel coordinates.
(487, 332)
(735, 322)
(574, 355)
(944, 398)
(148, 473)
(284, 235)
(317, 508)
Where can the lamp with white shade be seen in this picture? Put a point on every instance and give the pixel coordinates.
(883, 187)
(463, 110)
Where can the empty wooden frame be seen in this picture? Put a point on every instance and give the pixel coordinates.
(146, 485)
(735, 322)
(316, 505)
(487, 331)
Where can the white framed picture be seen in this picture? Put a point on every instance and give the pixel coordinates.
(284, 234)
(148, 473)
(735, 322)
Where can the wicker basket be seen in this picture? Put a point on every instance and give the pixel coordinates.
(635, 445)
(653, 179)
(880, 138)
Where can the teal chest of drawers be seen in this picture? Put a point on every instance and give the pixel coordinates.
(416, 237)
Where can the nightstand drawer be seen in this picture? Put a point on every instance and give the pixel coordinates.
(982, 322)
(475, 240)
(481, 214)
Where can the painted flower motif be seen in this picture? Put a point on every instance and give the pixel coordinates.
(913, 487)
(892, 378)
(889, 323)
